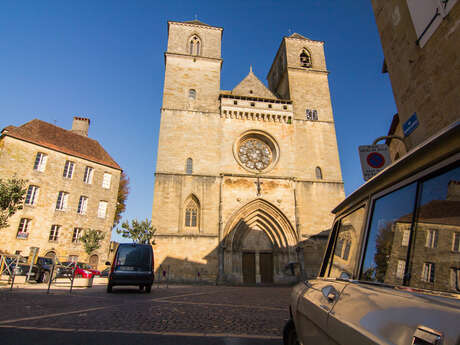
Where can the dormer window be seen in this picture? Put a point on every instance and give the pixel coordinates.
(305, 59)
(195, 45)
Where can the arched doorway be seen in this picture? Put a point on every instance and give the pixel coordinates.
(259, 241)
(93, 261)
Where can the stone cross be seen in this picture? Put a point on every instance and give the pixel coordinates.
(258, 183)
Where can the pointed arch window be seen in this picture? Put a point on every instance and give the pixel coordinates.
(195, 45)
(189, 166)
(305, 59)
(192, 94)
(319, 173)
(192, 213)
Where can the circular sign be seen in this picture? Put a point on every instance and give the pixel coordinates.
(375, 160)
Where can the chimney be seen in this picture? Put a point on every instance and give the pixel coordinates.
(80, 125)
(453, 190)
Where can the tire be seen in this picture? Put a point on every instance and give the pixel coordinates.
(109, 288)
(141, 288)
(148, 288)
(290, 334)
(45, 277)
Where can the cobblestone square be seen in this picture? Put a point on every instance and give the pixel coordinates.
(179, 314)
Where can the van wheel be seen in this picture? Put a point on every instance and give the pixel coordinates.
(109, 288)
(290, 334)
(45, 277)
(148, 288)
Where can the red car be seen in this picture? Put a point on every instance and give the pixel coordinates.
(82, 270)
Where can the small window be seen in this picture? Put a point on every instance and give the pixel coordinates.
(40, 161)
(253, 104)
(400, 269)
(311, 114)
(319, 173)
(106, 180)
(250, 91)
(88, 176)
(192, 213)
(192, 94)
(82, 205)
(431, 239)
(76, 236)
(195, 45)
(305, 59)
(189, 166)
(102, 209)
(455, 279)
(456, 242)
(405, 238)
(23, 228)
(32, 195)
(68, 169)
(61, 203)
(428, 272)
(284, 107)
(54, 233)
(269, 105)
(235, 102)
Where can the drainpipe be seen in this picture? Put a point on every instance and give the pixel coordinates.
(299, 250)
(220, 247)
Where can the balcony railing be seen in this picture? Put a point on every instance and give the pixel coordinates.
(22, 235)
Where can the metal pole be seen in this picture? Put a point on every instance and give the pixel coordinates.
(13, 274)
(51, 275)
(167, 278)
(71, 280)
(391, 137)
(31, 265)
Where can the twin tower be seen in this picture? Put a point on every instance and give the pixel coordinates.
(243, 176)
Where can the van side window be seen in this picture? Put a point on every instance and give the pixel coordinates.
(392, 215)
(346, 251)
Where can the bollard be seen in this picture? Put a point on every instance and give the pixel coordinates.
(51, 276)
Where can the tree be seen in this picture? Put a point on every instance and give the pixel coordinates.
(122, 196)
(139, 232)
(12, 192)
(91, 240)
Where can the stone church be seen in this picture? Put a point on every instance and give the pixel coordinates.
(243, 176)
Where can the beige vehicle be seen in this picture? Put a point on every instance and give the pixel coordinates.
(391, 270)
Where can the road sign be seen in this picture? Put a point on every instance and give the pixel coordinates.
(374, 158)
(410, 124)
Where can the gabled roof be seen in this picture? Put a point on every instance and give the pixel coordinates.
(441, 212)
(251, 86)
(299, 36)
(196, 22)
(58, 139)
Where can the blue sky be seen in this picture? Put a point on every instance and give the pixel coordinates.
(104, 60)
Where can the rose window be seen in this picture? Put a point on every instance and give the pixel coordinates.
(255, 154)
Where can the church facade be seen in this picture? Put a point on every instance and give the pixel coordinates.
(243, 176)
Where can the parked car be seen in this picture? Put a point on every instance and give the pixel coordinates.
(44, 266)
(132, 265)
(82, 270)
(20, 269)
(391, 269)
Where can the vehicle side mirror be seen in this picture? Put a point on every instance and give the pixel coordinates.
(107, 263)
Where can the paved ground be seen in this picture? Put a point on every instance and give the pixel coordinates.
(179, 314)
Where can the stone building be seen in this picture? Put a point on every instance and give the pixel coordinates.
(243, 176)
(420, 40)
(72, 185)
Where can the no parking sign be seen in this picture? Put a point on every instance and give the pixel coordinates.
(373, 159)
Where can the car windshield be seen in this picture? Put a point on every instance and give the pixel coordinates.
(133, 256)
(84, 266)
(46, 261)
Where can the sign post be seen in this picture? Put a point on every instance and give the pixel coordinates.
(374, 158)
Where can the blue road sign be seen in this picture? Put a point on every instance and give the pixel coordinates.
(411, 124)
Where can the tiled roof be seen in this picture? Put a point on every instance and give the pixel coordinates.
(58, 139)
(442, 212)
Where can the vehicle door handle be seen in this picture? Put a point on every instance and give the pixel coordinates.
(424, 335)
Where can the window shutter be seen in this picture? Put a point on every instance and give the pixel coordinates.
(426, 16)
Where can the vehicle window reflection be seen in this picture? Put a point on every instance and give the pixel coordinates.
(346, 245)
(435, 258)
(386, 251)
